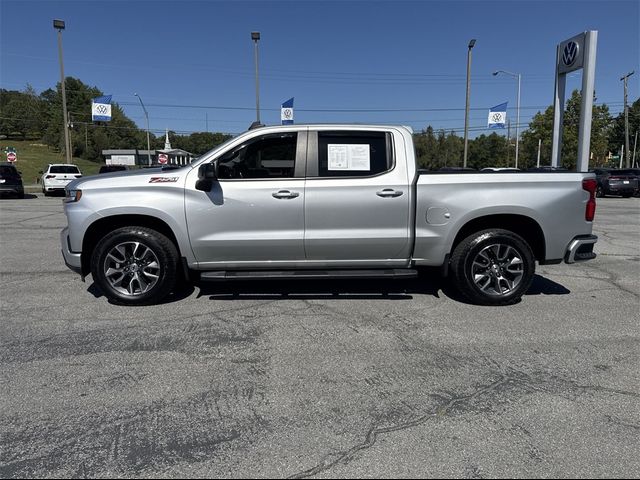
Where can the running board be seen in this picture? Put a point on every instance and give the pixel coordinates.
(223, 275)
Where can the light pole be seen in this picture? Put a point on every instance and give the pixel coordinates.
(466, 110)
(518, 76)
(255, 36)
(146, 115)
(626, 119)
(59, 25)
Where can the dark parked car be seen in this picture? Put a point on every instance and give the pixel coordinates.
(112, 168)
(616, 182)
(10, 181)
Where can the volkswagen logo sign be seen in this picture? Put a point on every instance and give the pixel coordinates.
(570, 53)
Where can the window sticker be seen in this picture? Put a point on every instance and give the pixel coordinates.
(349, 157)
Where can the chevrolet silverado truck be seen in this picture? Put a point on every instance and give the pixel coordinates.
(323, 201)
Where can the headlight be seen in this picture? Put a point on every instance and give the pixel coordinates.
(72, 195)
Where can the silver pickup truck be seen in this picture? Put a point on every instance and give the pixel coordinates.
(323, 201)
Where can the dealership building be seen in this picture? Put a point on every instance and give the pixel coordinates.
(142, 158)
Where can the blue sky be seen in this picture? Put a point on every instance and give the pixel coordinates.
(409, 57)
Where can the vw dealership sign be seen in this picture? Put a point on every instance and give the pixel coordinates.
(571, 53)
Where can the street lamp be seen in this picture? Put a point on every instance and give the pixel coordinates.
(59, 25)
(146, 115)
(518, 76)
(466, 110)
(255, 36)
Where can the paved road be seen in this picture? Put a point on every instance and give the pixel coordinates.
(322, 379)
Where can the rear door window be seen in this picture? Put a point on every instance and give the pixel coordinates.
(354, 153)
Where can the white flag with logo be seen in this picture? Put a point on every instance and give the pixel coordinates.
(498, 116)
(101, 109)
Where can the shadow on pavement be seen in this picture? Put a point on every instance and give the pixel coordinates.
(429, 282)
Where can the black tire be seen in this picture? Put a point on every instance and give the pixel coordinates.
(153, 268)
(599, 192)
(626, 195)
(20, 195)
(493, 267)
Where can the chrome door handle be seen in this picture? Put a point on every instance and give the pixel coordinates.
(285, 194)
(389, 193)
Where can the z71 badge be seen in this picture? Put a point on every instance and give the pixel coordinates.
(163, 179)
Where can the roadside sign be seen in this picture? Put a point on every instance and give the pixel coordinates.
(12, 157)
(163, 158)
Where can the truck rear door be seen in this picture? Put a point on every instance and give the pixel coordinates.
(357, 198)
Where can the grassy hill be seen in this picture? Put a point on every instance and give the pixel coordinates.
(34, 156)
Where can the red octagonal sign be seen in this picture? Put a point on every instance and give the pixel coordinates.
(11, 157)
(163, 158)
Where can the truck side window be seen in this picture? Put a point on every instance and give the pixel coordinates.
(269, 156)
(353, 153)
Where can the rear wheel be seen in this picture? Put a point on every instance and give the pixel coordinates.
(135, 266)
(493, 267)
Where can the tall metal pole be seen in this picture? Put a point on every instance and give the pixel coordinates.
(635, 144)
(626, 119)
(466, 110)
(518, 123)
(539, 145)
(255, 36)
(147, 116)
(586, 107)
(59, 25)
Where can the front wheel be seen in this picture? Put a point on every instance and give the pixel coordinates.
(493, 267)
(135, 266)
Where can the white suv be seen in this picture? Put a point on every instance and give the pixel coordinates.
(57, 175)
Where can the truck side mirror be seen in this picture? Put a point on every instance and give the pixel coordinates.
(206, 176)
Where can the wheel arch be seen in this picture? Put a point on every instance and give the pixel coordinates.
(105, 225)
(524, 226)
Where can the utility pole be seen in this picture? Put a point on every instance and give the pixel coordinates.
(466, 111)
(626, 119)
(59, 25)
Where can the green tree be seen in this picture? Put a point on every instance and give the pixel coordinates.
(541, 127)
(616, 137)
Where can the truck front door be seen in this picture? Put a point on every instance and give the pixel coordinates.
(254, 214)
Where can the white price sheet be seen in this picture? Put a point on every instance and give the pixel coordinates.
(349, 157)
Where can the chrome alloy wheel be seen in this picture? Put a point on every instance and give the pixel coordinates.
(497, 269)
(131, 268)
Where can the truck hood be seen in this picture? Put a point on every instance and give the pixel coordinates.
(132, 179)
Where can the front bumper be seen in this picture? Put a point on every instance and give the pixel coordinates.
(72, 260)
(581, 249)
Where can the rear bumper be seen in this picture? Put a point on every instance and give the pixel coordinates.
(72, 260)
(4, 188)
(581, 249)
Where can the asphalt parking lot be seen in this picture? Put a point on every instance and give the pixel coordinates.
(319, 379)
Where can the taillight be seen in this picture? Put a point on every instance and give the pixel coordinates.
(77, 176)
(50, 176)
(590, 185)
